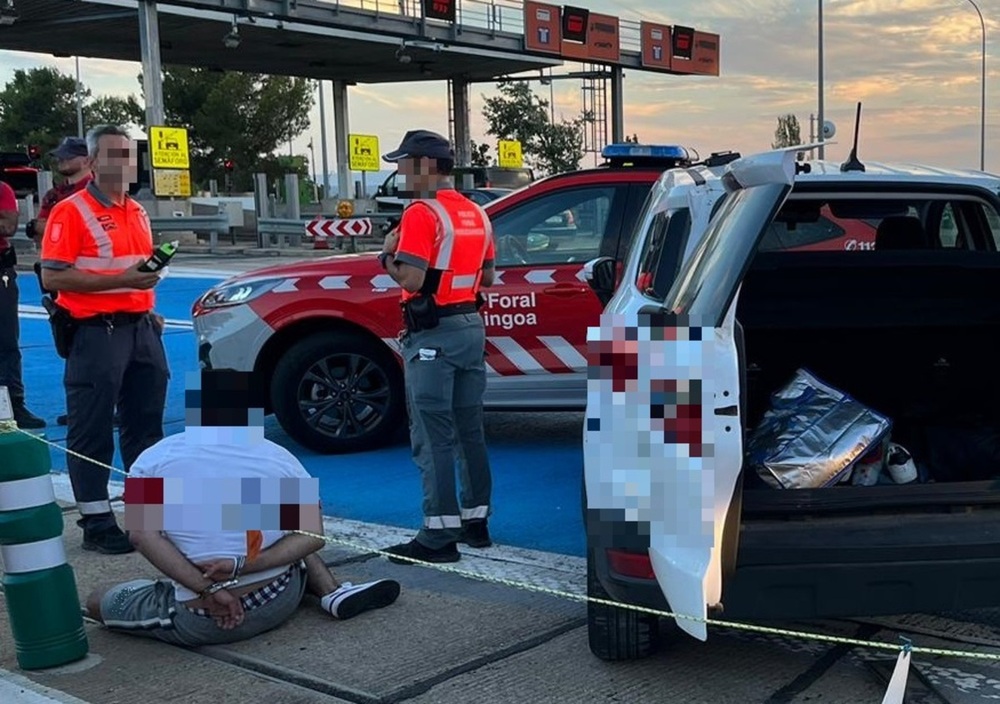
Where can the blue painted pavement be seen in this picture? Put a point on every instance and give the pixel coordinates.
(537, 460)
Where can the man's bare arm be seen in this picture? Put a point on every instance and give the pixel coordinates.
(84, 282)
(409, 277)
(8, 223)
(287, 550)
(165, 556)
(489, 274)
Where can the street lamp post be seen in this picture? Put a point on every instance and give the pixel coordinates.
(79, 101)
(820, 120)
(982, 107)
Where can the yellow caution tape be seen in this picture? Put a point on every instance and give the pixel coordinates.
(9, 426)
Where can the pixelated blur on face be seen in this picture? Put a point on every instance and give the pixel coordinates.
(416, 177)
(71, 166)
(117, 163)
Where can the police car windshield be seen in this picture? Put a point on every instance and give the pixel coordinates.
(707, 280)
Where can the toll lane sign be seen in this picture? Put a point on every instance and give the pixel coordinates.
(364, 154)
(168, 147)
(172, 182)
(510, 154)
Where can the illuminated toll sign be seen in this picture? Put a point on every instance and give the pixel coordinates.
(440, 10)
(574, 24)
(542, 30)
(683, 42)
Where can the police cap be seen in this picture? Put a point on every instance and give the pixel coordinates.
(421, 143)
(70, 148)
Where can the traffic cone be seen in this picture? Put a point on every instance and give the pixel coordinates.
(39, 587)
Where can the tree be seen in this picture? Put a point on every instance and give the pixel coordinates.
(480, 153)
(518, 114)
(38, 107)
(788, 133)
(560, 147)
(240, 116)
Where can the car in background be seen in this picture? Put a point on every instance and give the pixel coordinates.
(487, 178)
(320, 336)
(18, 171)
(482, 196)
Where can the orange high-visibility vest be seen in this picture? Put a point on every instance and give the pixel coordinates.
(94, 235)
(462, 241)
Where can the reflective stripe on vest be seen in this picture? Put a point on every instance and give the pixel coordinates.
(447, 235)
(31, 557)
(105, 262)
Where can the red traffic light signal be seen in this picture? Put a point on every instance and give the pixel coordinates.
(229, 164)
(683, 41)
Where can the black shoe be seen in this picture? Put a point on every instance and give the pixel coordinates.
(110, 541)
(26, 420)
(476, 534)
(416, 551)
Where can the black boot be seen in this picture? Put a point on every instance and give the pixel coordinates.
(417, 551)
(25, 419)
(476, 534)
(107, 539)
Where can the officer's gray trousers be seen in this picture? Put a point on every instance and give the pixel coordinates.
(126, 366)
(445, 378)
(10, 351)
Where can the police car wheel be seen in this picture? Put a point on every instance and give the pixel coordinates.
(336, 392)
(614, 633)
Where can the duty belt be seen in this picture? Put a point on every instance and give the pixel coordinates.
(112, 319)
(456, 309)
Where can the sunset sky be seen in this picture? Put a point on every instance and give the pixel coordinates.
(915, 65)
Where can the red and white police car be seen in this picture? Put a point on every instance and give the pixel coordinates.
(320, 336)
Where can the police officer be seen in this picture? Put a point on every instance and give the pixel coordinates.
(440, 255)
(95, 241)
(10, 349)
(73, 165)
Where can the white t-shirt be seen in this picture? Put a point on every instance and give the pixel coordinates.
(219, 453)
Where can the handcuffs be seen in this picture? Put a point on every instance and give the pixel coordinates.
(238, 563)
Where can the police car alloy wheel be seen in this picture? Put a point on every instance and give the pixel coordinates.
(339, 392)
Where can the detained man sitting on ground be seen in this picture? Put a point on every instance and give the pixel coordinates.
(182, 497)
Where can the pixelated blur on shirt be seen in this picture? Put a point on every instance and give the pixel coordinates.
(8, 203)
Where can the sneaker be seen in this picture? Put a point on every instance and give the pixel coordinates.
(349, 600)
(476, 534)
(417, 551)
(110, 541)
(25, 419)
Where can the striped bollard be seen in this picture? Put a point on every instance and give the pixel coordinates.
(39, 587)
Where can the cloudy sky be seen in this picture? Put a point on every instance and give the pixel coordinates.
(914, 64)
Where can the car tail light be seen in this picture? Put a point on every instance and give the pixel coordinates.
(631, 564)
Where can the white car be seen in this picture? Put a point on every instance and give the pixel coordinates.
(711, 316)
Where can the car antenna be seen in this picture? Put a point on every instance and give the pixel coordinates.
(852, 163)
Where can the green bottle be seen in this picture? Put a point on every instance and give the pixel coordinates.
(161, 257)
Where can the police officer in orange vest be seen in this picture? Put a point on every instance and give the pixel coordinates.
(94, 244)
(440, 255)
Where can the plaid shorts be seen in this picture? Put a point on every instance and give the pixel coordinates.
(149, 608)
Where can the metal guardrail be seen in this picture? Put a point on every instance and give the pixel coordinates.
(212, 224)
(492, 15)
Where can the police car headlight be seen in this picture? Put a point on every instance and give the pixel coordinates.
(237, 293)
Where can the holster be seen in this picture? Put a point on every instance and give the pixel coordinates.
(420, 313)
(64, 326)
(8, 258)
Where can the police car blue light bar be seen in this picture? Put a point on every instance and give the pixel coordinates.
(630, 151)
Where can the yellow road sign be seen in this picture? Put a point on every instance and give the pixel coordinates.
(364, 154)
(510, 154)
(172, 182)
(168, 147)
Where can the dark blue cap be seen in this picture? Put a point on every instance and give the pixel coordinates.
(70, 148)
(420, 143)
